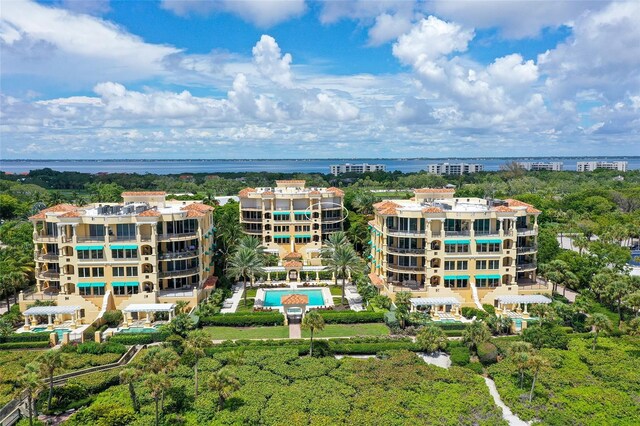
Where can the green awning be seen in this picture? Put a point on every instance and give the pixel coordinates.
(281, 213)
(303, 235)
(125, 284)
(456, 241)
(81, 248)
(281, 237)
(87, 285)
(302, 212)
(492, 241)
(480, 277)
(456, 277)
(124, 247)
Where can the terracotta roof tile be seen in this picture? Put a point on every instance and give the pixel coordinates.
(294, 299)
(268, 193)
(503, 209)
(211, 281)
(73, 213)
(432, 210)
(199, 207)
(293, 255)
(142, 193)
(339, 192)
(376, 280)
(245, 192)
(195, 213)
(315, 192)
(293, 264)
(150, 213)
(428, 190)
(386, 208)
(58, 208)
(518, 203)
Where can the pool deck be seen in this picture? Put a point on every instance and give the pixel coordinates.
(234, 300)
(326, 296)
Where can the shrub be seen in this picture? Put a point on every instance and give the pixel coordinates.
(476, 367)
(469, 313)
(490, 309)
(487, 353)
(24, 345)
(249, 319)
(112, 318)
(139, 338)
(25, 337)
(543, 336)
(460, 355)
(351, 317)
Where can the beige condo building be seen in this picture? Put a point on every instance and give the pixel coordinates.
(292, 220)
(105, 256)
(472, 250)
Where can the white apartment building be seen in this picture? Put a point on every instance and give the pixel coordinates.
(589, 166)
(454, 168)
(553, 166)
(337, 169)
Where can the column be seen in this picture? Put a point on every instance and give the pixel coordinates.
(34, 322)
(73, 320)
(49, 323)
(317, 277)
(501, 231)
(74, 230)
(170, 315)
(26, 322)
(269, 277)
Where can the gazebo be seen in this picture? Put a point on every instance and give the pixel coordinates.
(54, 315)
(294, 306)
(511, 305)
(148, 309)
(438, 307)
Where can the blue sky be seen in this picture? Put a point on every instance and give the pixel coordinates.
(312, 79)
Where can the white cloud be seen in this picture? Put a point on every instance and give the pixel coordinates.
(512, 70)
(328, 107)
(262, 13)
(270, 61)
(388, 27)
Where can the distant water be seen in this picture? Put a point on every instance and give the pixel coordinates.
(165, 167)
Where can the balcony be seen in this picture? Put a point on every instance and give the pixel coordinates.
(49, 275)
(457, 233)
(413, 268)
(252, 219)
(177, 255)
(91, 239)
(180, 273)
(436, 234)
(494, 233)
(398, 250)
(178, 292)
(527, 249)
(526, 232)
(525, 266)
(165, 237)
(47, 257)
(122, 238)
(412, 232)
(46, 238)
(253, 231)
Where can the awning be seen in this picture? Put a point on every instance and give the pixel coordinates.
(51, 310)
(301, 212)
(490, 241)
(524, 298)
(150, 307)
(480, 277)
(125, 284)
(456, 277)
(80, 248)
(434, 301)
(86, 285)
(124, 247)
(303, 235)
(456, 241)
(281, 213)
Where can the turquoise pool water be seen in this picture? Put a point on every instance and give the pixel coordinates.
(58, 331)
(272, 297)
(139, 330)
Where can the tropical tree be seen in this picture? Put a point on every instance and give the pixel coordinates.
(128, 376)
(6, 287)
(50, 361)
(616, 290)
(245, 262)
(402, 302)
(475, 334)
(633, 328)
(535, 364)
(195, 345)
(181, 306)
(632, 301)
(224, 384)
(343, 262)
(29, 382)
(520, 353)
(312, 321)
(252, 243)
(431, 338)
(17, 281)
(157, 383)
(159, 361)
(598, 323)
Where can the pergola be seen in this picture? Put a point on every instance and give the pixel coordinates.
(439, 305)
(517, 301)
(52, 313)
(305, 268)
(147, 309)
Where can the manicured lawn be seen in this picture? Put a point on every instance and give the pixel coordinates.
(251, 292)
(350, 330)
(336, 290)
(227, 333)
(248, 308)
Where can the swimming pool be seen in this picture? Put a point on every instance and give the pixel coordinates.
(58, 331)
(272, 297)
(138, 330)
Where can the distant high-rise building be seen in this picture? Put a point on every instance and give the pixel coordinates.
(589, 166)
(454, 168)
(337, 169)
(554, 166)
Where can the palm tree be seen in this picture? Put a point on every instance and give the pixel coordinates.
(195, 344)
(223, 383)
(244, 263)
(402, 302)
(343, 262)
(127, 377)
(520, 352)
(6, 287)
(475, 334)
(50, 361)
(30, 382)
(616, 290)
(160, 360)
(17, 281)
(157, 383)
(598, 323)
(181, 306)
(535, 364)
(312, 321)
(632, 301)
(580, 242)
(431, 338)
(252, 243)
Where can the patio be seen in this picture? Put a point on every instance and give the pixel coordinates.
(57, 317)
(512, 305)
(445, 309)
(149, 310)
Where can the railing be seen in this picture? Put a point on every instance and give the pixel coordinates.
(44, 257)
(392, 249)
(252, 219)
(253, 231)
(50, 275)
(145, 238)
(92, 239)
(406, 231)
(178, 235)
(177, 255)
(122, 238)
(178, 292)
(487, 233)
(416, 268)
(170, 274)
(40, 296)
(457, 233)
(527, 249)
(525, 266)
(46, 238)
(526, 231)
(436, 234)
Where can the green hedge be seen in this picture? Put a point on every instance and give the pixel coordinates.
(249, 319)
(25, 337)
(24, 345)
(450, 325)
(487, 353)
(460, 355)
(138, 338)
(351, 317)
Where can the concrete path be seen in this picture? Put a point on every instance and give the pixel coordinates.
(568, 293)
(294, 331)
(439, 359)
(507, 414)
(235, 299)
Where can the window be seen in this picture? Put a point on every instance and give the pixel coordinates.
(84, 272)
(456, 248)
(482, 226)
(118, 271)
(449, 265)
(125, 290)
(494, 264)
(487, 282)
(303, 228)
(132, 271)
(124, 253)
(98, 291)
(302, 240)
(281, 228)
(481, 264)
(301, 216)
(407, 261)
(96, 230)
(463, 264)
(90, 254)
(97, 272)
(85, 291)
(282, 240)
(488, 247)
(281, 217)
(408, 243)
(456, 282)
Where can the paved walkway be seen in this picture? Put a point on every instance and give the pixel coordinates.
(568, 293)
(507, 414)
(295, 332)
(234, 300)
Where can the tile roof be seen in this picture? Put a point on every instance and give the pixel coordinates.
(195, 213)
(428, 190)
(432, 210)
(376, 280)
(246, 191)
(294, 299)
(315, 192)
(503, 209)
(293, 255)
(72, 213)
(518, 203)
(199, 207)
(142, 193)
(211, 281)
(150, 213)
(293, 264)
(291, 181)
(386, 208)
(339, 192)
(58, 208)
